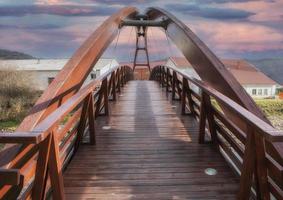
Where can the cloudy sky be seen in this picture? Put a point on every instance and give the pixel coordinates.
(56, 28)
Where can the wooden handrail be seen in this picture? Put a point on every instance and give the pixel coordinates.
(251, 144)
(9, 177)
(46, 145)
(267, 131)
(22, 137)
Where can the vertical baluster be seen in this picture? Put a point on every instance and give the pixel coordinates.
(105, 96)
(91, 123)
(167, 80)
(123, 75)
(41, 169)
(190, 99)
(119, 79)
(82, 123)
(173, 85)
(114, 86)
(55, 169)
(202, 121)
(210, 119)
(248, 166)
(184, 95)
(261, 168)
(160, 74)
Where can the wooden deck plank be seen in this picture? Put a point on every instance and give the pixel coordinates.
(150, 152)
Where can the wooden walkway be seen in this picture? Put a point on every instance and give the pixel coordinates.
(150, 152)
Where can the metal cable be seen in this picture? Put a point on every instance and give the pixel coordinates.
(115, 47)
(169, 44)
(155, 45)
(129, 43)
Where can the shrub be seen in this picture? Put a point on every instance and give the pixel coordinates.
(16, 94)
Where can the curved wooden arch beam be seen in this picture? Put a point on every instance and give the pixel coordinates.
(71, 77)
(206, 64)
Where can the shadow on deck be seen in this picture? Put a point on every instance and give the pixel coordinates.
(150, 151)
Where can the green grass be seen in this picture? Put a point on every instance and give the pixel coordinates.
(273, 109)
(9, 125)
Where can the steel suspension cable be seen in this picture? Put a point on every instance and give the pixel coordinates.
(115, 47)
(129, 43)
(169, 44)
(155, 45)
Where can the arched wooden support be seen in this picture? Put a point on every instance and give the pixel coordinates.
(206, 64)
(71, 77)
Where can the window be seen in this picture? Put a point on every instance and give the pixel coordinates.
(259, 92)
(50, 79)
(93, 76)
(253, 91)
(265, 91)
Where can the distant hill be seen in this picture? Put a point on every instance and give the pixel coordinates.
(271, 67)
(13, 55)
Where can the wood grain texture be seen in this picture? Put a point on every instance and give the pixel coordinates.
(150, 152)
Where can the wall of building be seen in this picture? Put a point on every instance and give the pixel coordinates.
(41, 78)
(261, 91)
(256, 91)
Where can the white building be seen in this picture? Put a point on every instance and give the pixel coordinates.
(257, 84)
(43, 71)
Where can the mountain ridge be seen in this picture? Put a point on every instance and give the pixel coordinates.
(272, 67)
(13, 55)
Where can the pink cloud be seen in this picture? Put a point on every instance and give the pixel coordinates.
(264, 10)
(238, 37)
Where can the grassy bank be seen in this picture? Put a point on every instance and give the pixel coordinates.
(273, 108)
(9, 125)
(17, 96)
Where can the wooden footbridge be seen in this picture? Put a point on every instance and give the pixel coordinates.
(120, 138)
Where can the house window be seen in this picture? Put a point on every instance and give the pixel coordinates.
(265, 92)
(259, 91)
(253, 91)
(93, 76)
(50, 79)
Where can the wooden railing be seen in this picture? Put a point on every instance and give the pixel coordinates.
(252, 147)
(37, 170)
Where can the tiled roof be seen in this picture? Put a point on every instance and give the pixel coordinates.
(243, 71)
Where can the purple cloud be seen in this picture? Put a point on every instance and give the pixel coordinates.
(61, 10)
(209, 12)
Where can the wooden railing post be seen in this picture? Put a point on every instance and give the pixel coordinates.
(105, 96)
(41, 169)
(119, 79)
(261, 168)
(102, 93)
(160, 75)
(202, 121)
(174, 77)
(114, 86)
(167, 80)
(184, 95)
(91, 123)
(187, 94)
(121, 76)
(210, 118)
(163, 76)
(207, 114)
(82, 123)
(55, 169)
(124, 75)
(248, 167)
(190, 99)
